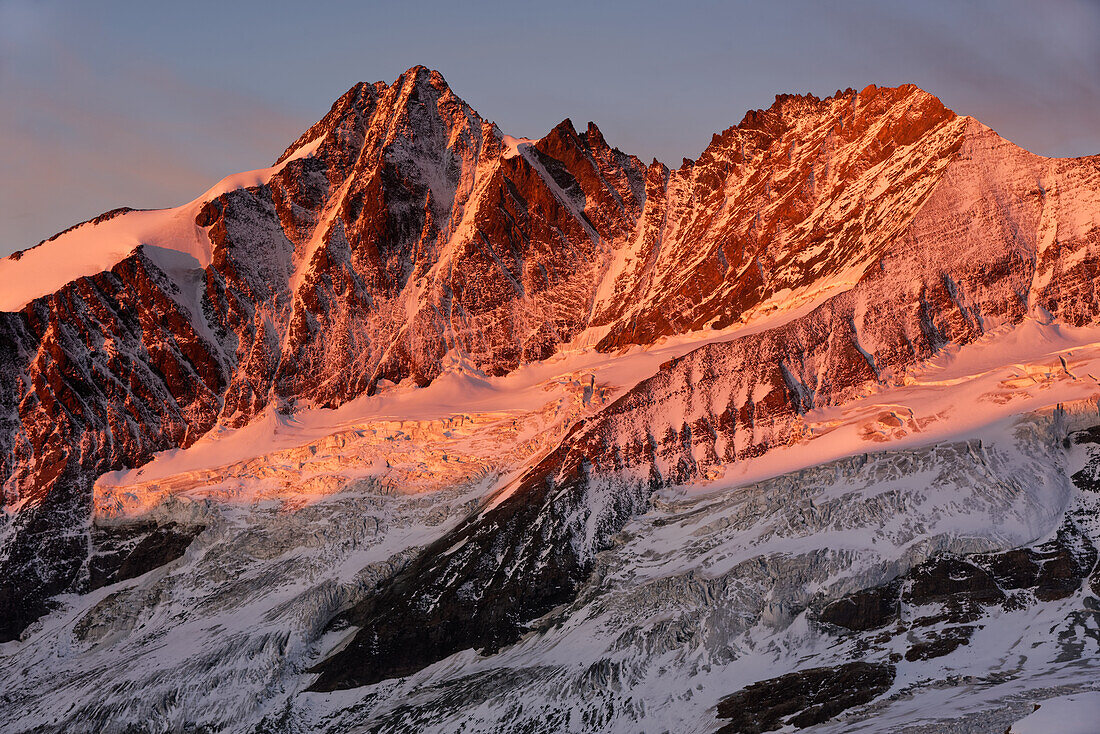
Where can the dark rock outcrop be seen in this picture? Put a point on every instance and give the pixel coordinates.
(865, 610)
(938, 644)
(804, 698)
(1052, 570)
(129, 550)
(959, 589)
(953, 593)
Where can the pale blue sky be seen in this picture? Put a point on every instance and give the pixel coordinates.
(145, 104)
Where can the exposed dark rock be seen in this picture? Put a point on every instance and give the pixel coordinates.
(165, 544)
(865, 610)
(43, 561)
(1060, 571)
(1013, 569)
(960, 588)
(939, 644)
(1087, 435)
(805, 698)
(111, 545)
(130, 550)
(1053, 570)
(1088, 477)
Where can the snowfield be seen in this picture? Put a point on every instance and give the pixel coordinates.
(468, 416)
(1077, 714)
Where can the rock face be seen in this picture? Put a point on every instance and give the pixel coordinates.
(807, 192)
(404, 233)
(804, 698)
(130, 550)
(866, 609)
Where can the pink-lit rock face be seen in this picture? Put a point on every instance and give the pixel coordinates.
(403, 231)
(989, 244)
(410, 232)
(803, 193)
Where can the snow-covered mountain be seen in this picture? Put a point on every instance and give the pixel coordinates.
(431, 428)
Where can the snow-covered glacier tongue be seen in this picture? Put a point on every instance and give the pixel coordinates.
(431, 428)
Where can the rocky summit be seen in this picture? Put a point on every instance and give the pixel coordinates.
(427, 427)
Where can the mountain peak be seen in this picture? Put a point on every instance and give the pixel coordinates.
(790, 106)
(910, 110)
(422, 76)
(565, 127)
(359, 101)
